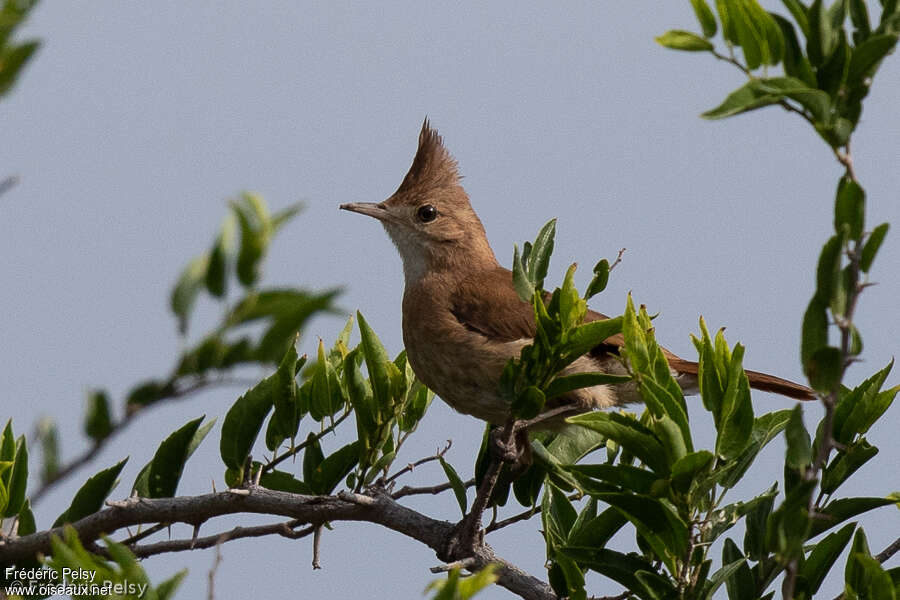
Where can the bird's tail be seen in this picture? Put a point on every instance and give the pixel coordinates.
(758, 381)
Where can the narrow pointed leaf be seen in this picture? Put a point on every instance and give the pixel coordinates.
(90, 496)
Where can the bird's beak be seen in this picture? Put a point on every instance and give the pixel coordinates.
(373, 209)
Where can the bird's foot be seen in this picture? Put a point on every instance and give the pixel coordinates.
(510, 450)
(461, 542)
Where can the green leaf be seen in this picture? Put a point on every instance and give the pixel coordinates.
(705, 17)
(799, 12)
(799, 451)
(281, 218)
(539, 258)
(735, 422)
(557, 515)
(243, 422)
(631, 435)
(817, 102)
(689, 467)
(567, 383)
(216, 279)
(573, 443)
(17, 481)
(286, 417)
(528, 403)
(625, 570)
(722, 519)
(186, 290)
(821, 38)
(847, 461)
(333, 469)
(556, 471)
(626, 477)
(312, 456)
(256, 230)
(726, 16)
(90, 497)
(863, 406)
(796, 64)
(418, 399)
(459, 488)
(870, 580)
(376, 359)
(751, 40)
(816, 566)
(601, 274)
(854, 573)
(284, 482)
(870, 249)
(26, 524)
(12, 59)
(755, 531)
(48, 436)
(849, 208)
(524, 287)
(166, 590)
(596, 532)
(859, 16)
(815, 329)
(588, 335)
(739, 579)
(789, 526)
(867, 56)
(765, 428)
(655, 520)
(728, 571)
(684, 40)
(168, 462)
(749, 96)
(838, 511)
(97, 421)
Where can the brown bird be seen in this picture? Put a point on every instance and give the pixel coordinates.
(462, 317)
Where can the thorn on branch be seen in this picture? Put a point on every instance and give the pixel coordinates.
(465, 563)
(317, 538)
(409, 467)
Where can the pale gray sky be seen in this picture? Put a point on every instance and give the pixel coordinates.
(136, 121)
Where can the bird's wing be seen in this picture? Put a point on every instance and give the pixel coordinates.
(489, 304)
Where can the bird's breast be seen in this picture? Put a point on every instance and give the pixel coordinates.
(461, 366)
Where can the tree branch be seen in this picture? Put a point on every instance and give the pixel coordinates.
(119, 426)
(313, 510)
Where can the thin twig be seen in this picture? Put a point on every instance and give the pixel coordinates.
(431, 489)
(408, 468)
(217, 560)
(522, 516)
(296, 449)
(8, 183)
(456, 564)
(617, 261)
(468, 529)
(379, 509)
(119, 426)
(546, 415)
(889, 551)
(284, 529)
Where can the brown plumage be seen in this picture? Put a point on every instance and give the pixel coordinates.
(462, 318)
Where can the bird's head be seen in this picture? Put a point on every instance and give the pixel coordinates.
(429, 217)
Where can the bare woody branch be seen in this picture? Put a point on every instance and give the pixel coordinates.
(311, 510)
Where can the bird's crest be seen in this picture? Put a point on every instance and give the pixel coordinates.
(433, 166)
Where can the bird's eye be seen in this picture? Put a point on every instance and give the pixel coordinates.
(427, 213)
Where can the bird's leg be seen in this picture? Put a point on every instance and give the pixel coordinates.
(468, 535)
